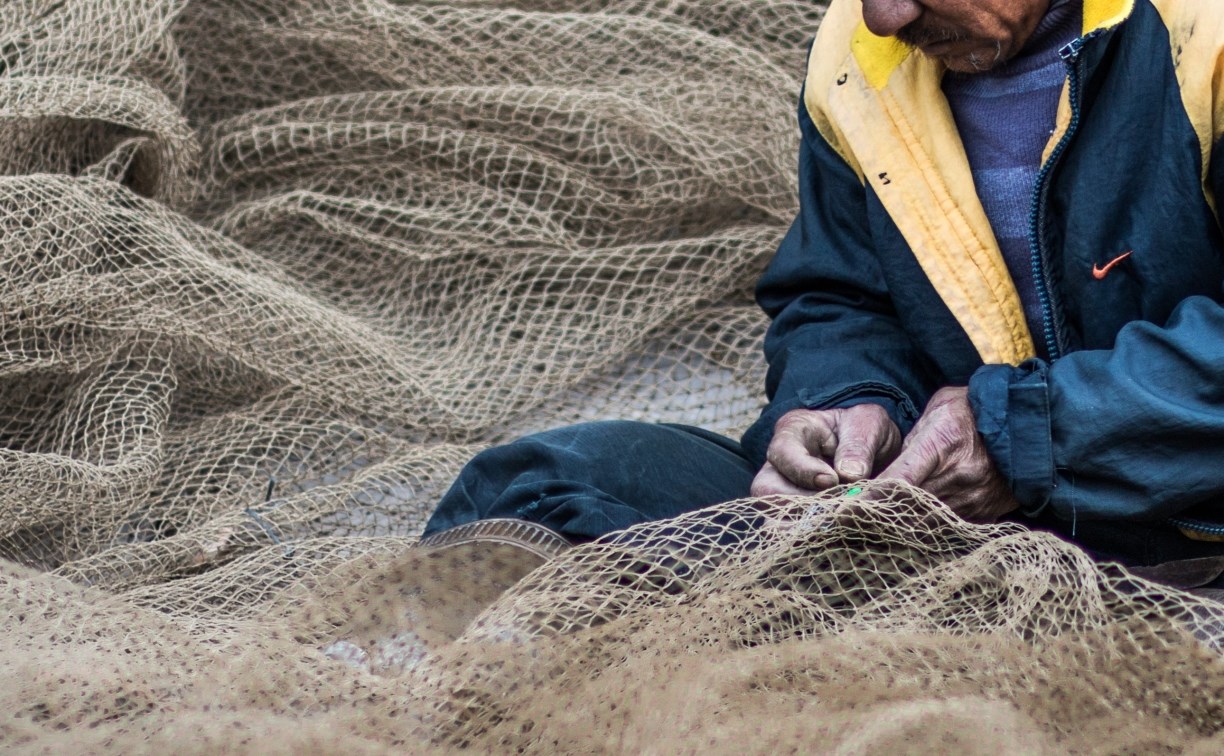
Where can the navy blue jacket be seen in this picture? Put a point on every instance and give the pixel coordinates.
(890, 285)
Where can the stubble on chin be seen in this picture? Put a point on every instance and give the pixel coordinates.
(979, 61)
(922, 34)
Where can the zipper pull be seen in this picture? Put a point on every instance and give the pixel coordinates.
(1070, 52)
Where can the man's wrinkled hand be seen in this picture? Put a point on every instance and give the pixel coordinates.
(813, 450)
(945, 455)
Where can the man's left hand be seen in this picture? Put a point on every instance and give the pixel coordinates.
(945, 456)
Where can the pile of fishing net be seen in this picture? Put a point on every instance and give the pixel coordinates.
(272, 270)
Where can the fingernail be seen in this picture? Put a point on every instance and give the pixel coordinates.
(854, 469)
(825, 481)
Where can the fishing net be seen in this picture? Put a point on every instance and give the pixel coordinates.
(274, 269)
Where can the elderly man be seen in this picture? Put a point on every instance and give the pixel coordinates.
(1004, 286)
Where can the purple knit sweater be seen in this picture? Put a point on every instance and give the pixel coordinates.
(1005, 117)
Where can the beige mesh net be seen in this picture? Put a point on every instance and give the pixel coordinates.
(274, 269)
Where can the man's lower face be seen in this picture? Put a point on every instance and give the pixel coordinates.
(953, 47)
(973, 56)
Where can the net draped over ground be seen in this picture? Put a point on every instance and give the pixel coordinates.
(274, 269)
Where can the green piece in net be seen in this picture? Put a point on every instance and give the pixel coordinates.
(854, 491)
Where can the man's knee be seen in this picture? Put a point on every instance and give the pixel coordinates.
(612, 472)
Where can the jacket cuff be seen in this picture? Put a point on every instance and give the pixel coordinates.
(898, 406)
(1011, 406)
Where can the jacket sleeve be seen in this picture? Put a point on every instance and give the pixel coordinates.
(835, 339)
(1131, 433)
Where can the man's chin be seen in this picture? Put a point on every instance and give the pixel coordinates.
(978, 61)
(964, 56)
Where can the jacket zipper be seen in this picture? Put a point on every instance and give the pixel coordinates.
(1197, 526)
(1070, 55)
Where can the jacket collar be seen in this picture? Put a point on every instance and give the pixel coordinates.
(879, 57)
(1100, 15)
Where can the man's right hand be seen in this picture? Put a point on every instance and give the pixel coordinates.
(817, 449)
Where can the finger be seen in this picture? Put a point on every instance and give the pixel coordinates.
(814, 430)
(866, 437)
(769, 482)
(916, 465)
(797, 448)
(792, 460)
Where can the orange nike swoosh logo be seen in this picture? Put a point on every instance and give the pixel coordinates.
(1099, 273)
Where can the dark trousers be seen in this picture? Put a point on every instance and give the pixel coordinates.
(586, 481)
